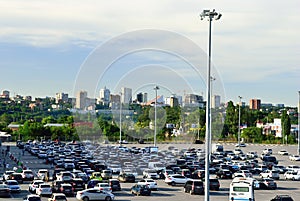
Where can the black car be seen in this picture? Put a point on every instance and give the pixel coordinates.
(194, 186)
(114, 184)
(125, 177)
(282, 198)
(224, 174)
(267, 183)
(214, 184)
(16, 176)
(138, 189)
(77, 184)
(92, 183)
(66, 189)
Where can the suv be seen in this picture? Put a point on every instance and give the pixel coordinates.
(114, 184)
(78, 184)
(27, 175)
(270, 174)
(282, 198)
(194, 186)
(58, 197)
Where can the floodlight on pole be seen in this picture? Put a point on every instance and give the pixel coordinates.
(211, 15)
(155, 115)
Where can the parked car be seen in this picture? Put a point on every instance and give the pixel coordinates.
(58, 197)
(291, 175)
(242, 173)
(34, 184)
(194, 186)
(282, 198)
(138, 189)
(150, 174)
(106, 174)
(4, 191)
(214, 184)
(44, 190)
(270, 174)
(66, 189)
(77, 184)
(149, 182)
(294, 157)
(13, 186)
(28, 175)
(224, 174)
(92, 183)
(175, 179)
(42, 174)
(103, 187)
(267, 183)
(32, 197)
(94, 194)
(114, 184)
(283, 152)
(125, 177)
(268, 151)
(6, 174)
(16, 176)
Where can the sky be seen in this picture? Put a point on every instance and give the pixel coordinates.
(66, 46)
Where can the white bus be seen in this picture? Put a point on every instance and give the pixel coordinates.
(242, 189)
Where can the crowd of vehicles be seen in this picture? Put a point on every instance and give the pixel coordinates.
(84, 171)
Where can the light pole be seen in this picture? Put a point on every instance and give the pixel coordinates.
(211, 92)
(239, 133)
(299, 124)
(155, 114)
(210, 15)
(120, 142)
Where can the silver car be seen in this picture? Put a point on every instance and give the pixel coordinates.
(94, 194)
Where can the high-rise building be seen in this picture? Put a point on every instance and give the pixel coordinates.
(145, 97)
(81, 99)
(216, 101)
(5, 94)
(140, 97)
(126, 95)
(104, 95)
(61, 98)
(254, 104)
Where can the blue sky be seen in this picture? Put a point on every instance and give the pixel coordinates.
(46, 45)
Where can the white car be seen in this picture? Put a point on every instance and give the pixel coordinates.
(283, 152)
(270, 174)
(44, 189)
(292, 175)
(175, 179)
(42, 173)
(6, 174)
(268, 151)
(150, 174)
(242, 173)
(294, 157)
(294, 168)
(149, 182)
(103, 187)
(34, 184)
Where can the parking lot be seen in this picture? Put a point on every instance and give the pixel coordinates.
(111, 155)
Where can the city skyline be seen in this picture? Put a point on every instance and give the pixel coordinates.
(62, 96)
(46, 45)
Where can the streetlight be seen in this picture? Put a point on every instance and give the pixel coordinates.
(155, 114)
(120, 142)
(239, 134)
(211, 92)
(212, 15)
(299, 124)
